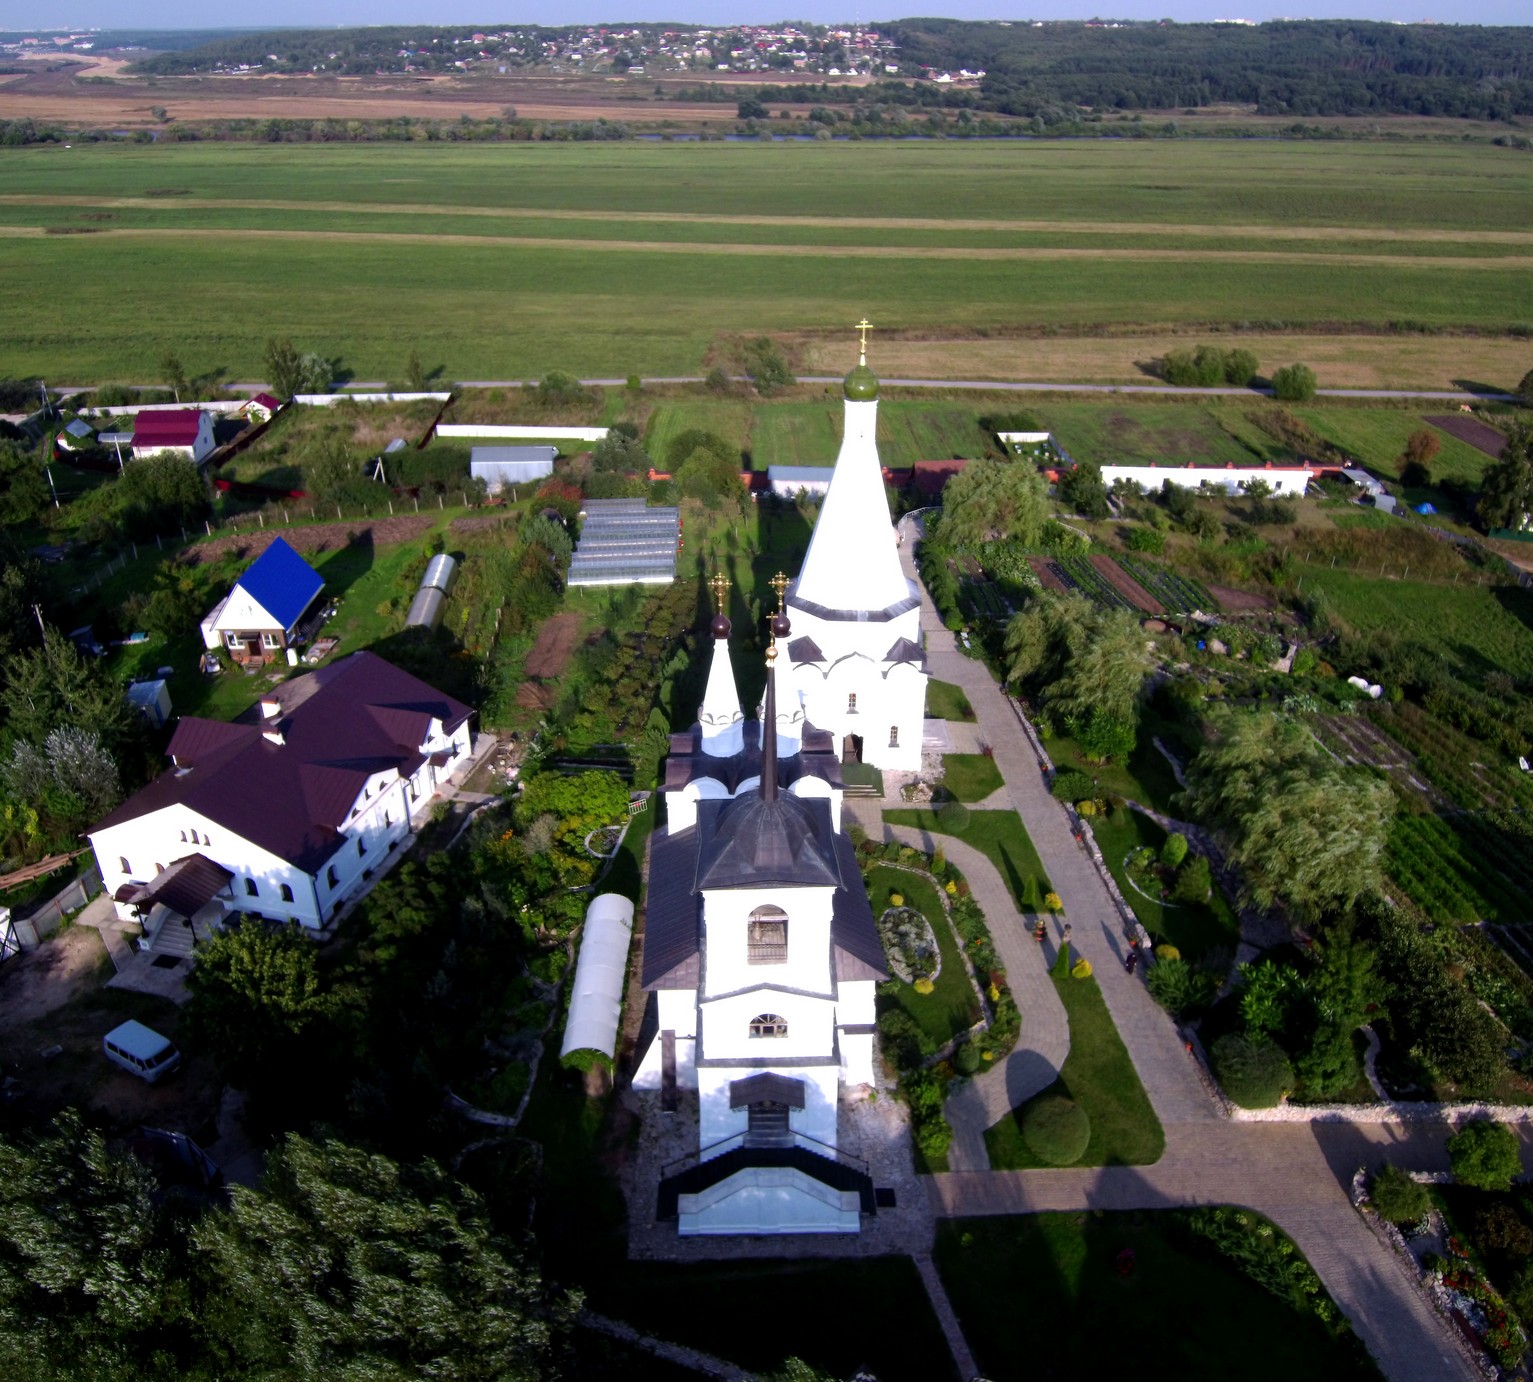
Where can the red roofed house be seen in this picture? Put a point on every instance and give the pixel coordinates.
(287, 812)
(180, 431)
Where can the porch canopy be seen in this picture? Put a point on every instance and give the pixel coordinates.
(766, 1088)
(185, 888)
(596, 1001)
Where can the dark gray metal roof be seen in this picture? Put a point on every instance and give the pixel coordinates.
(750, 843)
(672, 914)
(805, 649)
(859, 953)
(766, 1088)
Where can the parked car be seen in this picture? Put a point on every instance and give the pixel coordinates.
(141, 1051)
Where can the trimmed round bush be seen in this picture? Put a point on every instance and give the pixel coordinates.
(1484, 1154)
(1081, 969)
(1397, 1197)
(1167, 952)
(1253, 1071)
(966, 1059)
(953, 816)
(923, 986)
(1056, 1130)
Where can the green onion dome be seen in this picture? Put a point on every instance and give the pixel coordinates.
(861, 385)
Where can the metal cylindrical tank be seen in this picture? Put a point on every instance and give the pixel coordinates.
(426, 608)
(441, 572)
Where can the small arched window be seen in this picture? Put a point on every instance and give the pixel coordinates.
(768, 1025)
(332, 877)
(183, 837)
(251, 889)
(287, 892)
(123, 864)
(766, 936)
(894, 736)
(851, 702)
(361, 846)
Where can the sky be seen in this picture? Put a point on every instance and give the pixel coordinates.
(191, 14)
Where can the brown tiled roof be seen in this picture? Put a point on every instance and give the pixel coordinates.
(187, 886)
(339, 725)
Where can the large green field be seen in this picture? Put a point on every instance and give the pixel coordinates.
(508, 260)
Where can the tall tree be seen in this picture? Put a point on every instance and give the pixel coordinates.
(1304, 831)
(56, 686)
(1085, 663)
(989, 500)
(346, 1265)
(87, 1290)
(1506, 491)
(23, 486)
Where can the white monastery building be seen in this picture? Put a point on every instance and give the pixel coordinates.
(761, 956)
(855, 666)
(289, 811)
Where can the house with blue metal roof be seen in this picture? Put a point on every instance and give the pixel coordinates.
(268, 611)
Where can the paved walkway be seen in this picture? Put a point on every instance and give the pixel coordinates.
(1295, 1174)
(1033, 1064)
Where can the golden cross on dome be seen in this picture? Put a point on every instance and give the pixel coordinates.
(863, 327)
(720, 587)
(779, 583)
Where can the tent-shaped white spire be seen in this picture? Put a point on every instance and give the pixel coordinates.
(723, 725)
(853, 561)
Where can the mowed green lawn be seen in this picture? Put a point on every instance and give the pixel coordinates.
(506, 261)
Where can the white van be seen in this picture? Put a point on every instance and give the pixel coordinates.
(141, 1051)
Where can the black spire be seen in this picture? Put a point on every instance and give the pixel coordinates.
(769, 729)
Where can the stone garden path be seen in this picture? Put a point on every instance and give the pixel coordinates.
(1294, 1173)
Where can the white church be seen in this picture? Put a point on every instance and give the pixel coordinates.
(760, 950)
(855, 665)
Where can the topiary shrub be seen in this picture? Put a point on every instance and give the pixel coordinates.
(1484, 1154)
(1052, 902)
(1166, 952)
(1081, 969)
(1397, 1197)
(896, 899)
(953, 817)
(1253, 1071)
(1174, 850)
(1056, 1130)
(923, 986)
(966, 1059)
(1072, 785)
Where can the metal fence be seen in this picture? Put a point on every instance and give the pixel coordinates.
(46, 918)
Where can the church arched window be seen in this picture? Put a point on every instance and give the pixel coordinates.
(768, 1025)
(766, 936)
(851, 702)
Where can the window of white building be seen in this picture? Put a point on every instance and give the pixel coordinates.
(768, 1025)
(766, 938)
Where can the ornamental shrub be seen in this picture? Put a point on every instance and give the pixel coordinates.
(1193, 883)
(1056, 1130)
(1086, 807)
(1072, 785)
(923, 986)
(1253, 1071)
(1397, 1197)
(1081, 969)
(896, 899)
(966, 1059)
(1166, 952)
(1174, 850)
(1052, 903)
(1483, 1154)
(1178, 987)
(953, 817)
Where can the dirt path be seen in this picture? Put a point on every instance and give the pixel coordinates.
(44, 980)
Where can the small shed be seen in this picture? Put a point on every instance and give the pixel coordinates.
(77, 436)
(499, 466)
(787, 481)
(152, 700)
(596, 1000)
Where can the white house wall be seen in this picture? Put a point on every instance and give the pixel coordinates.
(1230, 479)
(889, 695)
(241, 614)
(726, 1028)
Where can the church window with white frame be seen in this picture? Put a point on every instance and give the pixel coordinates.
(766, 937)
(768, 1025)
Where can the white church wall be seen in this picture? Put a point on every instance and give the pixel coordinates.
(818, 787)
(681, 805)
(726, 1033)
(726, 916)
(816, 1121)
(855, 1002)
(677, 1011)
(857, 1057)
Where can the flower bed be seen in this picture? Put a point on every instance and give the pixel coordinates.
(909, 944)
